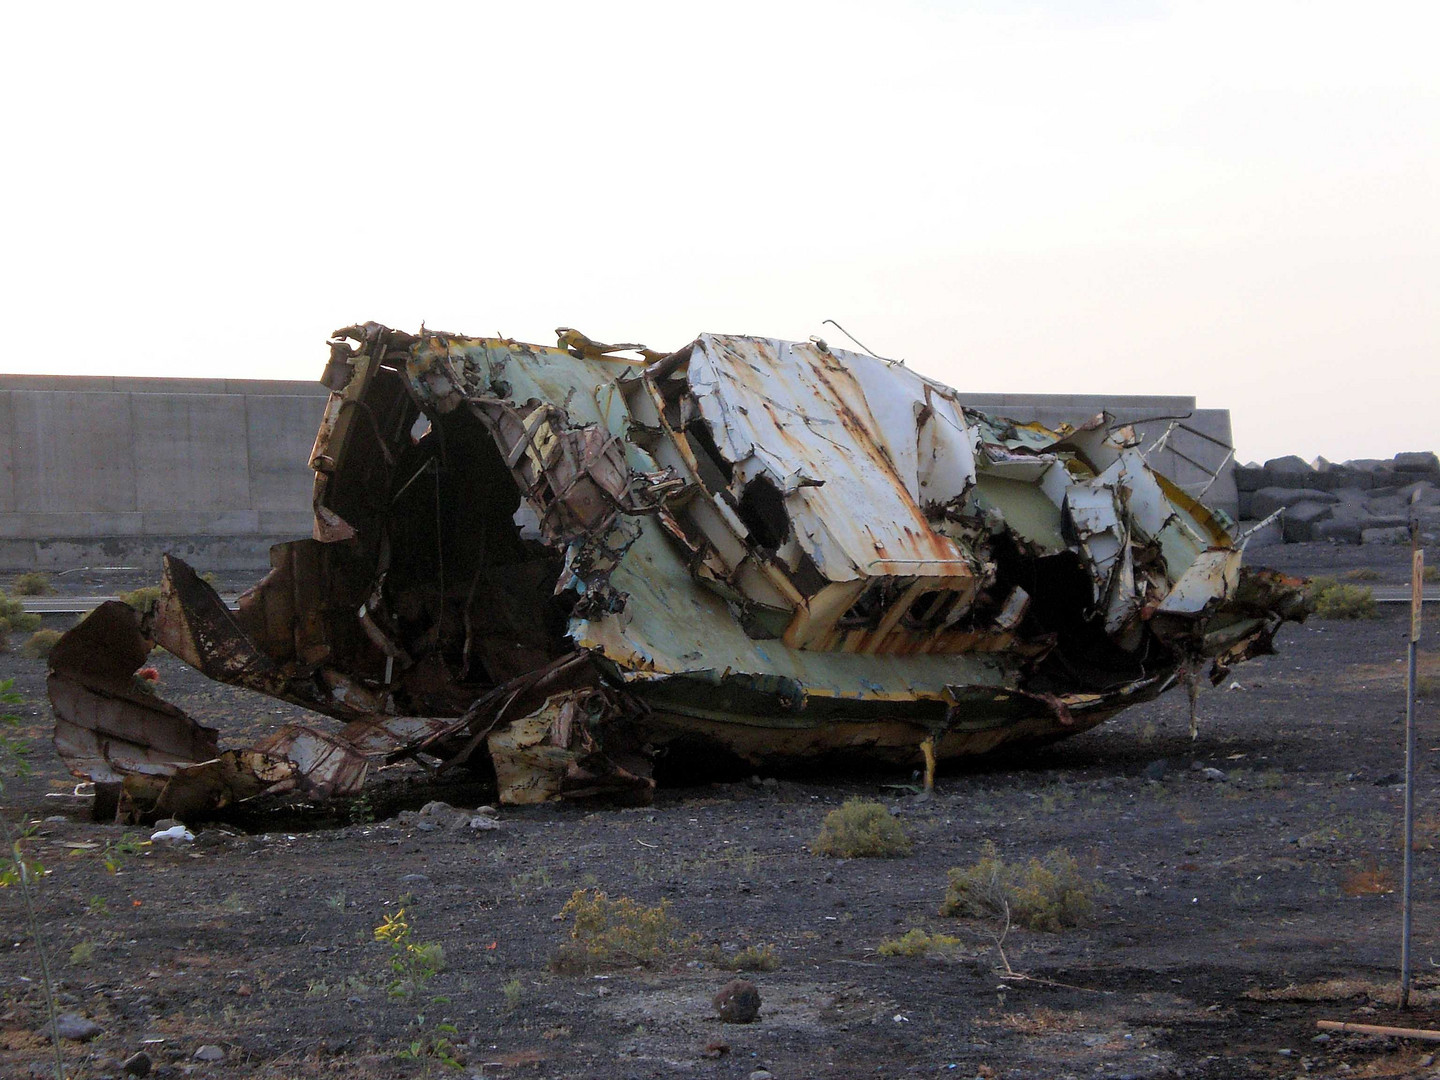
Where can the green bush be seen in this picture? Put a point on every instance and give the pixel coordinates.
(1333, 600)
(861, 830)
(39, 644)
(142, 599)
(916, 942)
(1046, 894)
(33, 583)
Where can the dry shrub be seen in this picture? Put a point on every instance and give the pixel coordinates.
(39, 644)
(1047, 894)
(14, 617)
(1332, 600)
(750, 958)
(33, 583)
(1040, 1021)
(1361, 573)
(916, 942)
(143, 598)
(861, 830)
(1369, 879)
(614, 933)
(1343, 989)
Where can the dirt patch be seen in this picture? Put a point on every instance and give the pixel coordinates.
(1221, 932)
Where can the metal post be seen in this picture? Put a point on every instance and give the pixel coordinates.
(1417, 575)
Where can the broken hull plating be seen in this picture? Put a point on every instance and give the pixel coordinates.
(568, 563)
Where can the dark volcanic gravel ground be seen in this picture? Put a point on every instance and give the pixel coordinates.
(1215, 892)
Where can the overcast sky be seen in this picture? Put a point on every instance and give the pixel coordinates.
(1239, 201)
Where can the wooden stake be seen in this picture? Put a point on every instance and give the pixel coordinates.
(1377, 1029)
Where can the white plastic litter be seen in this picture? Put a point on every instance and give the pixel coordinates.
(176, 834)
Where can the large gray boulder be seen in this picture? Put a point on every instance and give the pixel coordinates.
(1393, 534)
(1267, 500)
(1288, 471)
(1249, 478)
(1418, 461)
(1339, 530)
(1298, 523)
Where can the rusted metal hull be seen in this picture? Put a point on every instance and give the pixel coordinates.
(566, 563)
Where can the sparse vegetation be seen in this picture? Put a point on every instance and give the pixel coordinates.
(1431, 574)
(1368, 879)
(861, 830)
(142, 599)
(611, 933)
(82, 954)
(916, 942)
(32, 583)
(1047, 894)
(38, 645)
(1332, 600)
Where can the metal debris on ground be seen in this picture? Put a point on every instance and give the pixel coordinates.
(565, 564)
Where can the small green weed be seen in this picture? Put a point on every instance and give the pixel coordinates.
(32, 583)
(1045, 894)
(861, 830)
(83, 954)
(97, 905)
(1332, 600)
(1431, 574)
(611, 933)
(514, 992)
(115, 854)
(414, 963)
(916, 942)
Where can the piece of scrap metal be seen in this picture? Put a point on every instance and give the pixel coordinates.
(563, 564)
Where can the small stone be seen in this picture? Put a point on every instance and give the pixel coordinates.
(1322, 1038)
(137, 1064)
(1213, 774)
(56, 819)
(1286, 1053)
(716, 1049)
(483, 822)
(761, 1074)
(771, 782)
(488, 811)
(738, 1002)
(414, 879)
(74, 1026)
(209, 1052)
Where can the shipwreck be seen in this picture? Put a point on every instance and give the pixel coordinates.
(569, 562)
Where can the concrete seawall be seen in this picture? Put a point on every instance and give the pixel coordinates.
(105, 470)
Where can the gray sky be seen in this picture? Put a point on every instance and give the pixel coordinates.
(1239, 201)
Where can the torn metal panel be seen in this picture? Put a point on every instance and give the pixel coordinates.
(565, 563)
